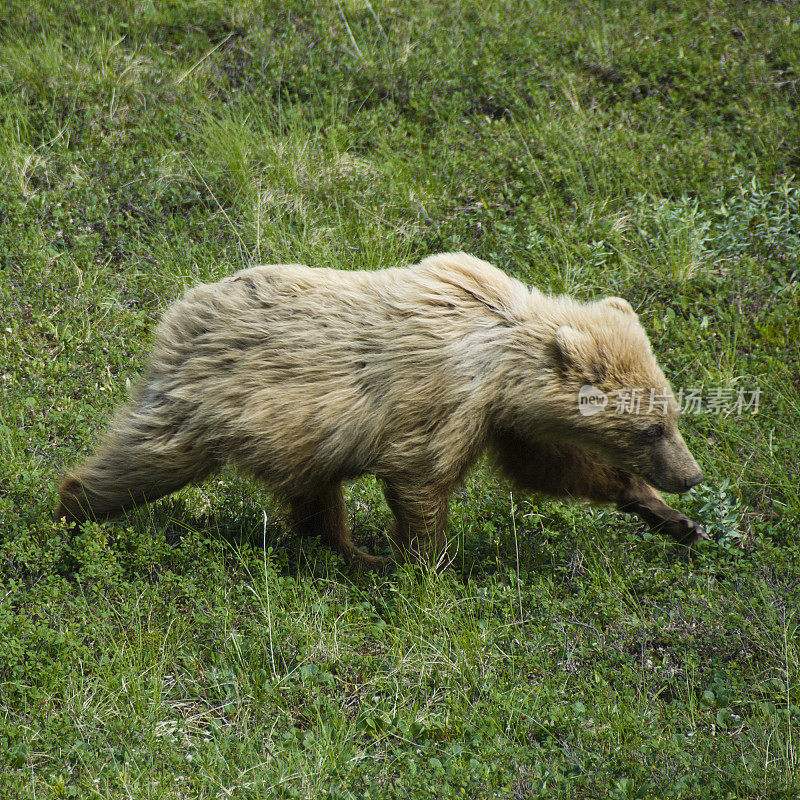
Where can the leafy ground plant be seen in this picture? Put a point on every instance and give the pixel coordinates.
(194, 649)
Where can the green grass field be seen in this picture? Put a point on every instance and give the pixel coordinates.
(195, 649)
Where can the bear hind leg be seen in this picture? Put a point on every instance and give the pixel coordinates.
(324, 514)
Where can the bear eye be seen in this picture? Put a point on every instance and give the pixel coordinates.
(654, 432)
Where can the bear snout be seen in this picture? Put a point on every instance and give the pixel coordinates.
(674, 484)
(693, 481)
(672, 467)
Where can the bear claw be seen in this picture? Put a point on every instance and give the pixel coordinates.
(686, 531)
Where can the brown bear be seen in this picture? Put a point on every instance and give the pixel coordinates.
(306, 378)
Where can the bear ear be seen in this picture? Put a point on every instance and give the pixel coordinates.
(619, 304)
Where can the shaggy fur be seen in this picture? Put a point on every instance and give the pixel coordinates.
(306, 378)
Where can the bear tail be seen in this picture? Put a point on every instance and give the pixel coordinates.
(144, 455)
(73, 505)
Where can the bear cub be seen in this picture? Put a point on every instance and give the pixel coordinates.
(308, 377)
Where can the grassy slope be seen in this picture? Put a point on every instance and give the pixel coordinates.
(642, 149)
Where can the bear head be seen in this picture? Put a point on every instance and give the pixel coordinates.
(614, 398)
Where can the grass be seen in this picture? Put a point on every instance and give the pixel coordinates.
(194, 649)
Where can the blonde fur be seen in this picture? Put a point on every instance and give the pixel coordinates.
(306, 377)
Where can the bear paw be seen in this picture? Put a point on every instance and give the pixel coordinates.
(364, 561)
(685, 530)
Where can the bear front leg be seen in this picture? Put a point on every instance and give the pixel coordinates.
(324, 514)
(421, 521)
(645, 502)
(565, 470)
